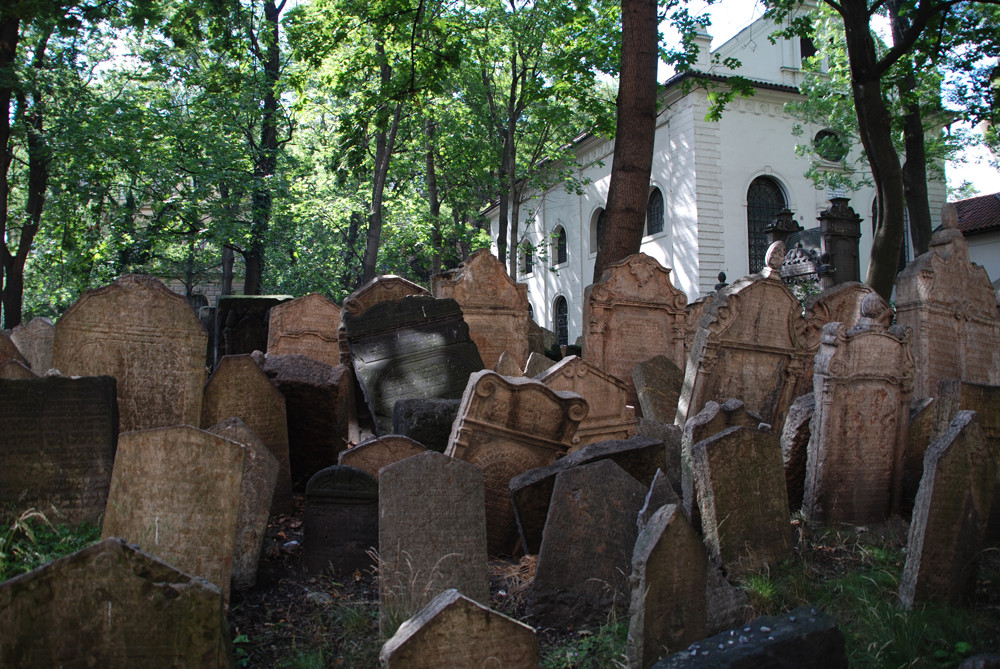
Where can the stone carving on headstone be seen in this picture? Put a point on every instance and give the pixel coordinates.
(383, 288)
(795, 447)
(632, 314)
(918, 437)
(239, 389)
(608, 417)
(742, 497)
(15, 369)
(426, 421)
(949, 517)
(374, 454)
(506, 426)
(949, 303)
(840, 304)
(175, 492)
(658, 384)
(35, 341)
(57, 444)
(537, 364)
(9, 351)
(417, 347)
(431, 534)
(305, 326)
(862, 383)
(241, 323)
(340, 526)
(111, 605)
(147, 337)
(508, 366)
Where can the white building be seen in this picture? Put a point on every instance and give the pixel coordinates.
(714, 185)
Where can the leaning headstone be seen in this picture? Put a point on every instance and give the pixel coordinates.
(949, 303)
(584, 562)
(418, 347)
(918, 438)
(383, 288)
(508, 366)
(608, 417)
(838, 304)
(494, 305)
(862, 382)
(305, 326)
(57, 444)
(632, 314)
(147, 337)
(260, 475)
(795, 447)
(506, 426)
(374, 454)
(340, 526)
(35, 341)
(949, 517)
(658, 384)
(742, 497)
(431, 534)
(112, 605)
(660, 494)
(667, 610)
(8, 351)
(426, 421)
(15, 369)
(175, 492)
(670, 435)
(455, 631)
(537, 364)
(540, 339)
(727, 605)
(241, 323)
(695, 310)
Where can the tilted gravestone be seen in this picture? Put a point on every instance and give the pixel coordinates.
(694, 310)
(175, 492)
(949, 517)
(660, 494)
(839, 304)
(383, 288)
(630, 315)
(537, 364)
(918, 437)
(426, 421)
(35, 341)
(670, 435)
(374, 454)
(658, 384)
(455, 631)
(9, 351)
(340, 526)
(795, 447)
(145, 336)
(494, 306)
(431, 534)
(506, 426)
(239, 389)
(15, 369)
(112, 605)
(862, 384)
(305, 326)
(57, 444)
(508, 366)
(241, 323)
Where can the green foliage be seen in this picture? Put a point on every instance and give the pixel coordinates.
(600, 649)
(29, 540)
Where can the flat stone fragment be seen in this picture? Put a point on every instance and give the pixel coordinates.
(9, 351)
(305, 326)
(455, 631)
(241, 323)
(508, 366)
(15, 369)
(57, 445)
(111, 605)
(340, 526)
(537, 364)
(35, 340)
(803, 637)
(426, 421)
(983, 661)
(658, 384)
(374, 454)
(949, 517)
(383, 288)
(795, 447)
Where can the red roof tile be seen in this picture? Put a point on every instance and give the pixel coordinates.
(979, 214)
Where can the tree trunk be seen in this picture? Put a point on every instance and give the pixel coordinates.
(384, 144)
(433, 197)
(9, 36)
(635, 130)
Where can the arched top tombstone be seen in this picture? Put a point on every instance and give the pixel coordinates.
(483, 282)
(343, 484)
(307, 326)
(380, 289)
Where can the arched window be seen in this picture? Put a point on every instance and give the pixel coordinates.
(560, 242)
(596, 229)
(562, 320)
(654, 212)
(764, 199)
(527, 258)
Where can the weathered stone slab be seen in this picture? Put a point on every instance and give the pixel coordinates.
(838, 304)
(495, 307)
(9, 351)
(147, 337)
(35, 340)
(175, 492)
(508, 366)
(506, 426)
(918, 438)
(15, 369)
(374, 454)
(631, 315)
(949, 517)
(742, 497)
(795, 447)
(608, 417)
(241, 323)
(540, 339)
(417, 347)
(455, 631)
(260, 475)
(340, 526)
(584, 562)
(432, 534)
(426, 421)
(667, 610)
(658, 384)
(383, 288)
(531, 492)
(727, 605)
(305, 326)
(862, 383)
(660, 494)
(110, 605)
(537, 364)
(57, 444)
(695, 310)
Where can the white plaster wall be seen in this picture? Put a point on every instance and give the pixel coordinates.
(984, 249)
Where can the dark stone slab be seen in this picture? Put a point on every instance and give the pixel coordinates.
(795, 447)
(658, 384)
(340, 526)
(241, 323)
(426, 421)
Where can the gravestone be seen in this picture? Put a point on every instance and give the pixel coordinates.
(305, 326)
(670, 435)
(426, 421)
(455, 631)
(537, 364)
(608, 417)
(57, 444)
(383, 288)
(540, 339)
(667, 610)
(239, 389)
(584, 562)
(15, 369)
(431, 534)
(508, 366)
(147, 337)
(658, 384)
(742, 498)
(632, 314)
(9, 351)
(838, 304)
(918, 437)
(175, 492)
(862, 383)
(111, 605)
(795, 447)
(751, 344)
(949, 517)
(694, 310)
(260, 475)
(417, 347)
(35, 341)
(660, 494)
(374, 454)
(340, 526)
(241, 323)
(506, 426)
(950, 305)
(727, 605)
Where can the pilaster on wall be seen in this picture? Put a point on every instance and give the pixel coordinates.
(708, 190)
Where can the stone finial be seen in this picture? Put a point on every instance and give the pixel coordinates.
(874, 308)
(773, 258)
(949, 216)
(722, 281)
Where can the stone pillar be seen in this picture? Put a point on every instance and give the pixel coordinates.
(840, 228)
(781, 227)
